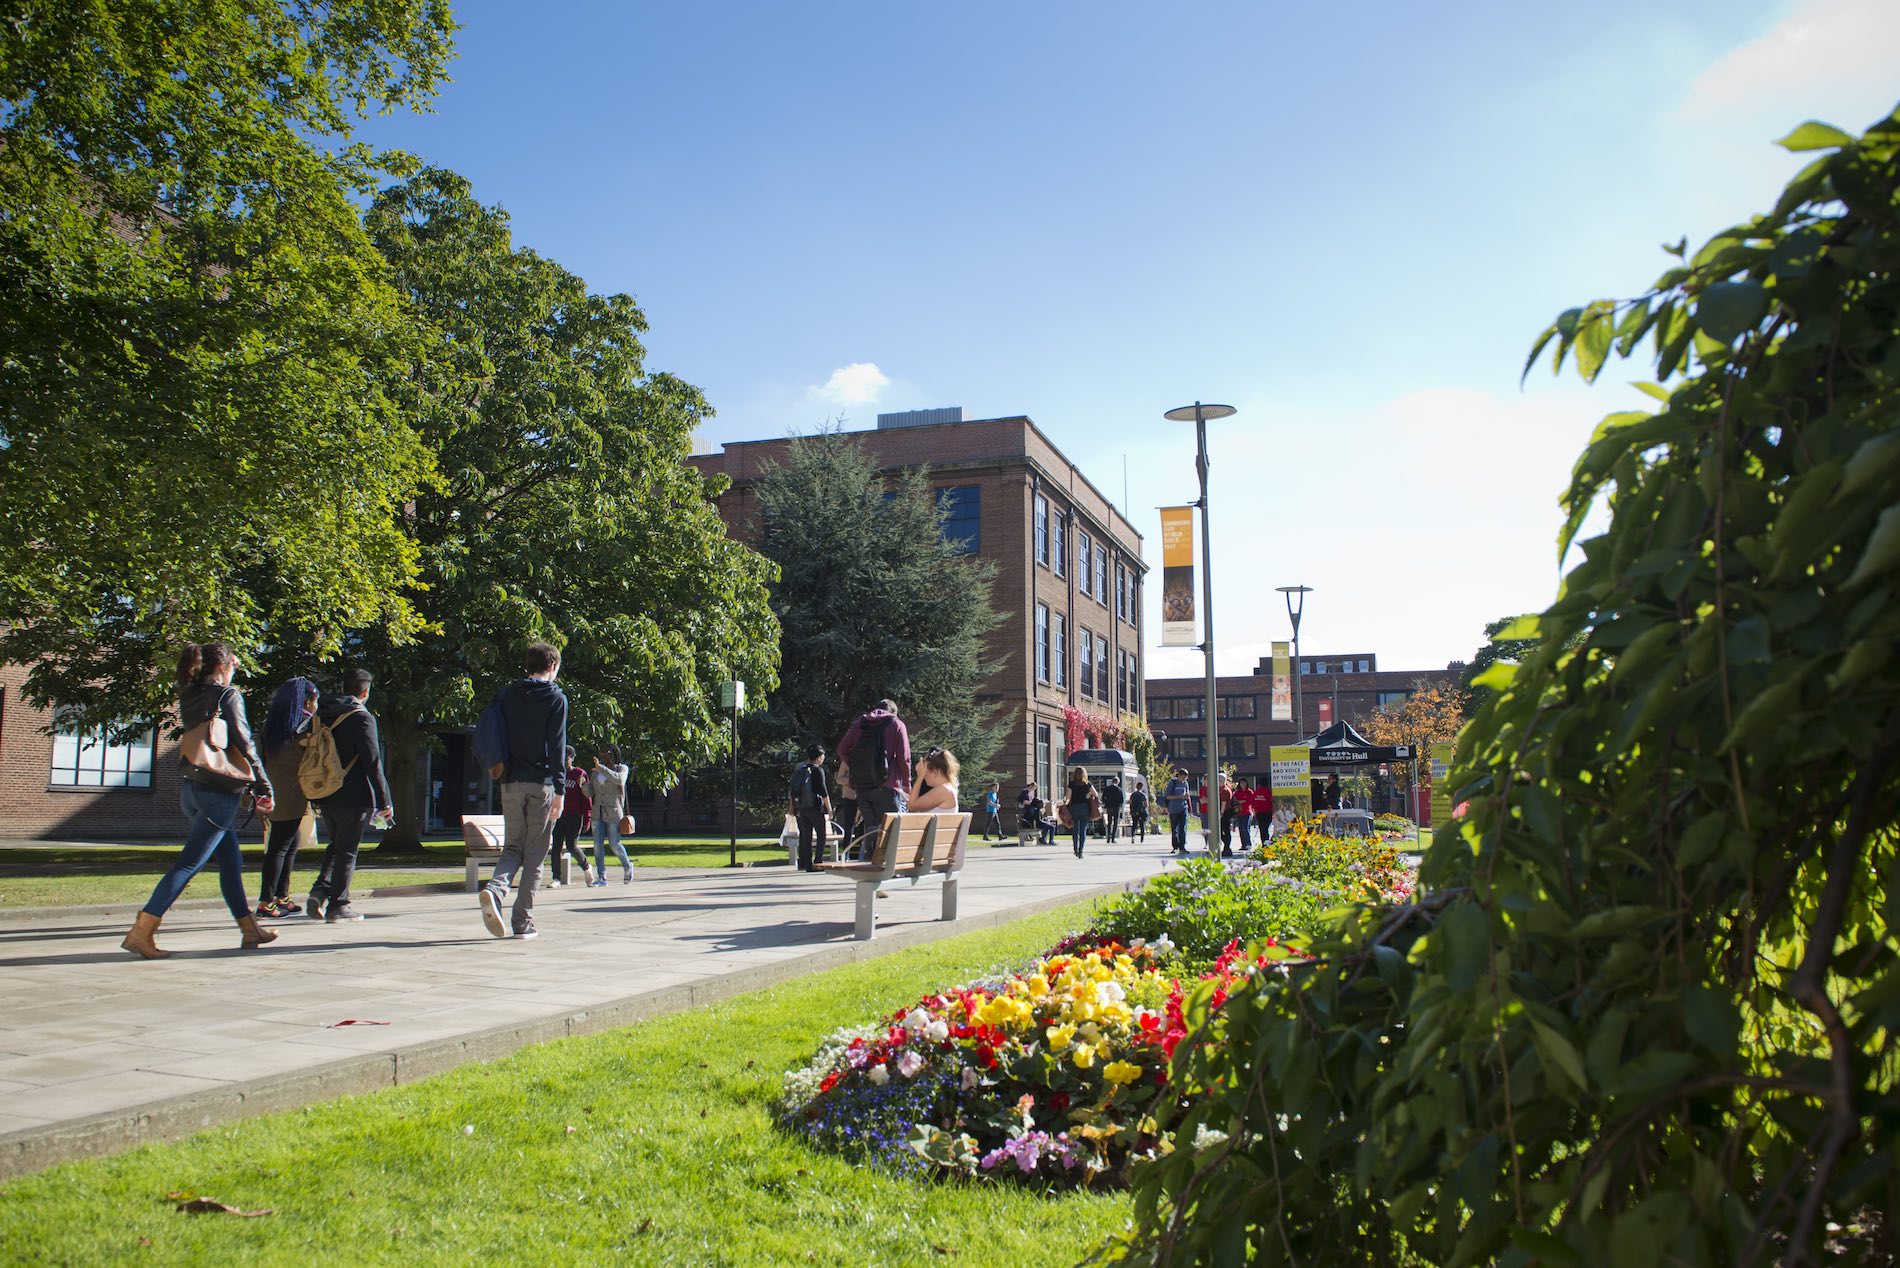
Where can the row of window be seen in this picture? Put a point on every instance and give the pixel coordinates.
(1189, 707)
(88, 759)
(1091, 562)
(1310, 667)
(1091, 662)
(1235, 747)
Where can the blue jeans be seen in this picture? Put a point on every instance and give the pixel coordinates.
(1177, 828)
(213, 816)
(605, 831)
(1080, 831)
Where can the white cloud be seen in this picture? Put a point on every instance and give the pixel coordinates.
(1823, 55)
(860, 383)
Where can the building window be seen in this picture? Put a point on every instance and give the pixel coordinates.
(1121, 680)
(1042, 642)
(1042, 529)
(1059, 548)
(1186, 746)
(1134, 685)
(962, 505)
(1101, 670)
(1364, 667)
(1101, 575)
(1237, 706)
(1083, 553)
(1188, 707)
(1121, 590)
(1062, 650)
(87, 759)
(1042, 770)
(1387, 698)
(1161, 710)
(1085, 673)
(1306, 667)
(1239, 746)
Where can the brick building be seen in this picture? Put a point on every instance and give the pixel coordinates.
(1331, 688)
(77, 786)
(1069, 567)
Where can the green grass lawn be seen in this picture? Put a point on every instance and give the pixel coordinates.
(65, 876)
(648, 1145)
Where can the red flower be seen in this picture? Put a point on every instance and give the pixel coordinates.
(986, 1056)
(831, 1081)
(1058, 1102)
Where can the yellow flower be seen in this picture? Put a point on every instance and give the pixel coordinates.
(1084, 1055)
(1038, 985)
(1121, 1072)
(1059, 1037)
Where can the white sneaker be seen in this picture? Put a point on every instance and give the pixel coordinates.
(491, 913)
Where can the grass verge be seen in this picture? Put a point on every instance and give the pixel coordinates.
(649, 1145)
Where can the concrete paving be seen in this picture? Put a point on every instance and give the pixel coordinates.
(100, 1051)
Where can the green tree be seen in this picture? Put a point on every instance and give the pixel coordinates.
(1646, 1011)
(565, 508)
(1490, 652)
(871, 602)
(197, 335)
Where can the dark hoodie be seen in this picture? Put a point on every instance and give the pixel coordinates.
(896, 746)
(537, 732)
(360, 750)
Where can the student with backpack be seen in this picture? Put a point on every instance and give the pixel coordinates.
(288, 720)
(522, 740)
(359, 797)
(1138, 812)
(876, 753)
(1111, 794)
(810, 803)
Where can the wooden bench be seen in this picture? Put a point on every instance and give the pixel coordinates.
(481, 838)
(911, 849)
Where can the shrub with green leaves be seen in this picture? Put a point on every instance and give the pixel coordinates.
(1646, 1010)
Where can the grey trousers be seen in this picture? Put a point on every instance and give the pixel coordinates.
(526, 833)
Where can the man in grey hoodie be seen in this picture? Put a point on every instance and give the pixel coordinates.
(533, 787)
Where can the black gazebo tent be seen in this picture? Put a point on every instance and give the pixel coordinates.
(1341, 745)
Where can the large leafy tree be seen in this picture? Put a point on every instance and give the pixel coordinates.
(872, 601)
(197, 335)
(564, 509)
(1646, 1012)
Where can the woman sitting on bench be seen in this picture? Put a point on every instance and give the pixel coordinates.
(935, 788)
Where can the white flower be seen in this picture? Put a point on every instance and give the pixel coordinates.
(916, 1019)
(1109, 993)
(937, 1031)
(969, 1078)
(1206, 1137)
(909, 1064)
(880, 1074)
(1164, 945)
(1138, 944)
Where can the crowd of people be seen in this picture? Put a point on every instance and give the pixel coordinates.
(321, 757)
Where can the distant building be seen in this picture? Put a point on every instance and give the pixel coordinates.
(1069, 566)
(1332, 688)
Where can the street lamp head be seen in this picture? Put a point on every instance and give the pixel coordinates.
(1294, 589)
(1188, 413)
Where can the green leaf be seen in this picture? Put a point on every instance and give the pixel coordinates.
(1617, 921)
(1883, 549)
(1497, 678)
(1727, 309)
(1772, 708)
(1711, 1018)
(1593, 343)
(1813, 135)
(1870, 463)
(1521, 627)
(1560, 1052)
(1748, 642)
(1465, 935)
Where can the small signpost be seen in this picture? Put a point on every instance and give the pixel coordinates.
(732, 698)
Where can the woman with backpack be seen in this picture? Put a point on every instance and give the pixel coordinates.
(217, 765)
(291, 818)
(610, 805)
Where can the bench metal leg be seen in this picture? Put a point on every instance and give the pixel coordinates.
(474, 875)
(867, 913)
(949, 898)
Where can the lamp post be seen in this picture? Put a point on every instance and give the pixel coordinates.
(1199, 413)
(1299, 706)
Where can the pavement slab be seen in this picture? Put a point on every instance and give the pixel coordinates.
(101, 1051)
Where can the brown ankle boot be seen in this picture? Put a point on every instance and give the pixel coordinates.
(140, 941)
(254, 936)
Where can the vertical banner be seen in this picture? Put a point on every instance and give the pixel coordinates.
(1290, 767)
(1325, 711)
(1441, 784)
(1177, 576)
(1282, 683)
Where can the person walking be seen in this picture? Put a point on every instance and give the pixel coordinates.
(876, 753)
(362, 800)
(533, 787)
(1112, 797)
(1175, 797)
(1138, 811)
(1332, 791)
(217, 764)
(1263, 809)
(810, 802)
(992, 812)
(576, 809)
(290, 817)
(610, 812)
(1243, 813)
(1082, 807)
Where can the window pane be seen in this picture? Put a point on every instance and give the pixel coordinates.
(1042, 529)
(1101, 574)
(1062, 650)
(1059, 552)
(962, 505)
(1042, 643)
(1101, 670)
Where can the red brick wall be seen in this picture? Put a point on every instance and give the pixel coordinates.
(31, 807)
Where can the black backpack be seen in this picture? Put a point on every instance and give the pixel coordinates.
(870, 763)
(804, 786)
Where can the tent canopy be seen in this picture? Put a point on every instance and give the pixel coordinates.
(1342, 745)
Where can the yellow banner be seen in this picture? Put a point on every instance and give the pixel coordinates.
(1177, 576)
(1291, 767)
(1441, 784)
(1282, 683)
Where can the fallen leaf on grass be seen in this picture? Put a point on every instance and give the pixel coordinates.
(211, 1206)
(645, 1224)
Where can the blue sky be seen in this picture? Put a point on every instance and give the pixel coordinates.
(1348, 221)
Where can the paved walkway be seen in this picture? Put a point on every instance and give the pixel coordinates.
(100, 1051)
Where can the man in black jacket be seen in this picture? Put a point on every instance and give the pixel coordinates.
(811, 806)
(363, 798)
(533, 788)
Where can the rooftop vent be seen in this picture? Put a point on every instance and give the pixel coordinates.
(920, 417)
